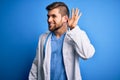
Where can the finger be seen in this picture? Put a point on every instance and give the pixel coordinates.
(77, 18)
(76, 12)
(73, 13)
(80, 14)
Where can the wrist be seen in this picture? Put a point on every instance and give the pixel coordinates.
(72, 27)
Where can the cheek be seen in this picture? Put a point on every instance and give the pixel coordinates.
(57, 21)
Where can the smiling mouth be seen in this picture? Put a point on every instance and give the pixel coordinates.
(51, 24)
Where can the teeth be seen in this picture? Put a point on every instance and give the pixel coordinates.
(51, 24)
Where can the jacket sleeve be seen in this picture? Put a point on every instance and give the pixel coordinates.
(36, 72)
(82, 44)
(36, 65)
(34, 69)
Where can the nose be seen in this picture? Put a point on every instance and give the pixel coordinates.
(50, 19)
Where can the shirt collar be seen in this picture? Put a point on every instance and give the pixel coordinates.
(55, 38)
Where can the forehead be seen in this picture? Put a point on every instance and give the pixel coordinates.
(53, 11)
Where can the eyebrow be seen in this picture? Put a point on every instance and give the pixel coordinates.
(53, 15)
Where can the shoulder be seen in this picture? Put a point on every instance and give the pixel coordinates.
(76, 30)
(44, 35)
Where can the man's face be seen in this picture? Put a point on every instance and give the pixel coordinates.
(55, 20)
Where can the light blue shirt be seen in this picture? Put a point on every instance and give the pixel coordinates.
(57, 69)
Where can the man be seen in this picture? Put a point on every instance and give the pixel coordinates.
(59, 49)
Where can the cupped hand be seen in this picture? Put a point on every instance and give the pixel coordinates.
(72, 22)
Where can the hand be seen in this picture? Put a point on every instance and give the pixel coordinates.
(72, 22)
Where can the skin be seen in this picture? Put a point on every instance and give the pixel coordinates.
(58, 23)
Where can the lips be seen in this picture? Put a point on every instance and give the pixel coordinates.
(51, 24)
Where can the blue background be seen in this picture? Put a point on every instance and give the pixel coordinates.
(22, 21)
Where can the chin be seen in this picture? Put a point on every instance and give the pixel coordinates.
(51, 30)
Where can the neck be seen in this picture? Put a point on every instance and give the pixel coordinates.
(61, 31)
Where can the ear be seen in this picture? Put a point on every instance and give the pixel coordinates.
(65, 18)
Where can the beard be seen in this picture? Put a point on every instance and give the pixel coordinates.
(55, 27)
